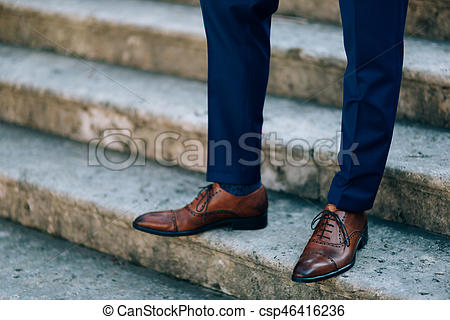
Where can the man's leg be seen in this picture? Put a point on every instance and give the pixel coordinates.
(238, 35)
(238, 67)
(373, 38)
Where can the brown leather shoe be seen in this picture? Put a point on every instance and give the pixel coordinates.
(213, 207)
(332, 247)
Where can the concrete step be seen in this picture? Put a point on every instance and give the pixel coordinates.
(79, 99)
(308, 58)
(39, 266)
(45, 183)
(426, 18)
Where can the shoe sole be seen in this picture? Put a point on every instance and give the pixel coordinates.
(252, 223)
(361, 244)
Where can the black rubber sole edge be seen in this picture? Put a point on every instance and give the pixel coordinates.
(252, 223)
(361, 243)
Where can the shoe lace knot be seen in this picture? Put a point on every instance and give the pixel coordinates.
(323, 219)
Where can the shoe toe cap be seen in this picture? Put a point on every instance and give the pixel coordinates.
(161, 221)
(314, 264)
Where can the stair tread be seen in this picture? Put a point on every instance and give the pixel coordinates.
(416, 149)
(429, 58)
(398, 262)
(38, 266)
(426, 19)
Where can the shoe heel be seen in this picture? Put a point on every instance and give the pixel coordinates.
(364, 238)
(253, 223)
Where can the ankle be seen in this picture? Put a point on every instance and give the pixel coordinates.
(240, 189)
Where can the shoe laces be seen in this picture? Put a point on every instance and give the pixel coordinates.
(322, 219)
(205, 192)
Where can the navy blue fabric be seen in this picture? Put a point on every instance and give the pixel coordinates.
(373, 39)
(240, 189)
(238, 35)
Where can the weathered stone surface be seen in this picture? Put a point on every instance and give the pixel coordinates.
(38, 266)
(79, 99)
(426, 18)
(45, 183)
(308, 58)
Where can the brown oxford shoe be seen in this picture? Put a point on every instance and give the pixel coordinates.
(213, 207)
(332, 247)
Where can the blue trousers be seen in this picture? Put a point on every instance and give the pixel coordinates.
(238, 37)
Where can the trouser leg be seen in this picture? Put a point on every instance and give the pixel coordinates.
(238, 36)
(373, 39)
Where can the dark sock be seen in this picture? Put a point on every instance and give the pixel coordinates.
(240, 189)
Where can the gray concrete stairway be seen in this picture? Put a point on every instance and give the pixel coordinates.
(136, 65)
(45, 183)
(426, 18)
(307, 62)
(79, 99)
(40, 266)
